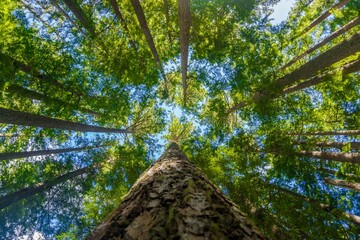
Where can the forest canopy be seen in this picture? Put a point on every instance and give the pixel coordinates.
(91, 93)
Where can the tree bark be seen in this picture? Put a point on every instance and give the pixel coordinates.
(174, 200)
(332, 156)
(15, 155)
(184, 23)
(328, 133)
(349, 176)
(145, 28)
(323, 17)
(27, 119)
(27, 192)
(334, 35)
(310, 69)
(343, 183)
(167, 18)
(80, 15)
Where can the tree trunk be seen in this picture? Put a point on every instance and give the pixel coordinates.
(116, 9)
(344, 184)
(27, 192)
(334, 35)
(329, 133)
(339, 145)
(310, 69)
(57, 6)
(332, 156)
(15, 155)
(167, 17)
(80, 15)
(349, 176)
(144, 27)
(323, 16)
(184, 23)
(15, 89)
(326, 207)
(27, 119)
(174, 200)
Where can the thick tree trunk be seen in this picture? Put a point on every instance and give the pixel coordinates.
(329, 133)
(310, 69)
(27, 119)
(332, 36)
(323, 16)
(15, 155)
(145, 28)
(332, 156)
(184, 23)
(326, 207)
(342, 183)
(80, 15)
(27, 192)
(174, 200)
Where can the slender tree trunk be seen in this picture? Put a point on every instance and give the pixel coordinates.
(116, 9)
(323, 16)
(310, 69)
(57, 6)
(167, 17)
(338, 145)
(349, 176)
(332, 156)
(328, 133)
(184, 23)
(27, 192)
(343, 183)
(334, 35)
(326, 207)
(81, 16)
(15, 155)
(27, 119)
(21, 91)
(174, 200)
(145, 28)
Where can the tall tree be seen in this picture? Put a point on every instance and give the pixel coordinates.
(174, 199)
(15, 155)
(22, 118)
(27, 192)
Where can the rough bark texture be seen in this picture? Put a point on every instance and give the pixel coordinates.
(15, 155)
(332, 36)
(333, 156)
(27, 192)
(328, 133)
(345, 184)
(174, 200)
(184, 23)
(22, 118)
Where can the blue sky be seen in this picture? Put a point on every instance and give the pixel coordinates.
(281, 10)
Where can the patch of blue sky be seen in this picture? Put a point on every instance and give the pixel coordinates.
(281, 11)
